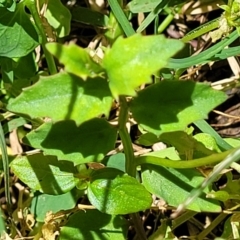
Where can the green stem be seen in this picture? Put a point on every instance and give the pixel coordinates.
(126, 140)
(138, 226)
(165, 23)
(212, 159)
(31, 4)
(129, 160)
(213, 225)
(227, 161)
(5, 167)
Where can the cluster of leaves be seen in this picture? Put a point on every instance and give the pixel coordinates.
(69, 114)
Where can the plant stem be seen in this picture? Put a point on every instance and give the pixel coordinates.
(165, 23)
(5, 159)
(31, 4)
(214, 158)
(138, 226)
(126, 140)
(130, 167)
(213, 224)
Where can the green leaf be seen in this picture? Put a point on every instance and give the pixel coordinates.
(116, 161)
(137, 6)
(167, 183)
(44, 173)
(186, 145)
(13, 124)
(88, 142)
(94, 225)
(234, 142)
(208, 141)
(158, 110)
(113, 192)
(133, 60)
(75, 59)
(9, 4)
(2, 224)
(219, 195)
(147, 139)
(227, 230)
(43, 203)
(88, 16)
(169, 153)
(18, 36)
(73, 98)
(59, 17)
(25, 67)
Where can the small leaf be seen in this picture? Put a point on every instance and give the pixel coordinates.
(94, 225)
(115, 161)
(44, 173)
(208, 141)
(137, 6)
(133, 60)
(59, 17)
(169, 153)
(167, 183)
(219, 195)
(92, 140)
(73, 98)
(76, 60)
(147, 139)
(9, 4)
(25, 67)
(43, 203)
(172, 105)
(186, 145)
(113, 192)
(18, 36)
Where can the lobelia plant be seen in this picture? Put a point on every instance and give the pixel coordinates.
(73, 136)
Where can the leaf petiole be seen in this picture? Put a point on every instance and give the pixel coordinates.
(212, 159)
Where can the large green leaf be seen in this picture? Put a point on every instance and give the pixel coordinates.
(64, 96)
(172, 105)
(43, 203)
(44, 173)
(174, 186)
(76, 60)
(88, 142)
(133, 60)
(113, 192)
(94, 225)
(18, 36)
